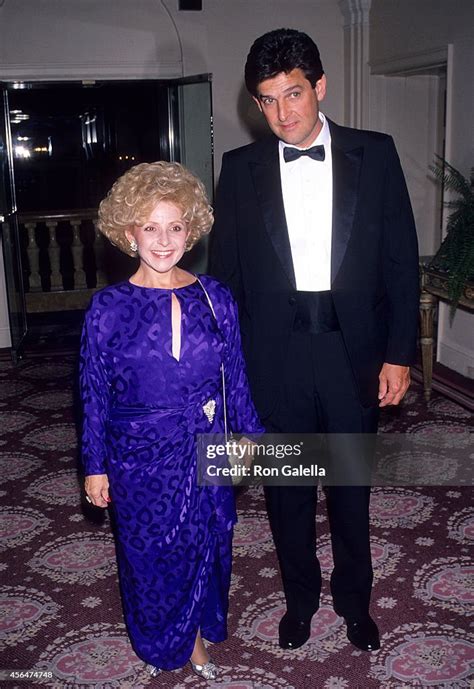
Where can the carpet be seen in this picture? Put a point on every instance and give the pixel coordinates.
(60, 607)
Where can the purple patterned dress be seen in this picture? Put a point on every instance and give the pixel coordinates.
(142, 409)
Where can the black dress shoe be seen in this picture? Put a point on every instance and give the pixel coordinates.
(293, 633)
(363, 633)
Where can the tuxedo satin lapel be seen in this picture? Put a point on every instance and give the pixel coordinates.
(266, 176)
(346, 171)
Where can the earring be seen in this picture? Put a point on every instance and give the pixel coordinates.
(133, 245)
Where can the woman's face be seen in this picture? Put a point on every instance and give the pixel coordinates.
(162, 239)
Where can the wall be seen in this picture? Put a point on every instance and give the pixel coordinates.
(53, 39)
(455, 342)
(411, 109)
(405, 27)
(218, 39)
(419, 30)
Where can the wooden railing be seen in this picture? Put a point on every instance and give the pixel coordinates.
(62, 257)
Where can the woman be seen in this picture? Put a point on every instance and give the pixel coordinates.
(151, 378)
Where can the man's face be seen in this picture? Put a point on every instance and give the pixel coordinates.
(291, 106)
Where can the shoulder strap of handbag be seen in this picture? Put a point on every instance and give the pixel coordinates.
(224, 399)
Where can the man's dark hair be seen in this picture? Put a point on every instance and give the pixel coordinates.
(282, 50)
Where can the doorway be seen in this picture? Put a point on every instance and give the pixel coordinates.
(63, 146)
(411, 107)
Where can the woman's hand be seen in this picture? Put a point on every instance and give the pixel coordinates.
(97, 489)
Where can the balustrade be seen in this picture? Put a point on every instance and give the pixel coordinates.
(63, 258)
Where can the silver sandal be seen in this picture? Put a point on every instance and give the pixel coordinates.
(208, 670)
(152, 670)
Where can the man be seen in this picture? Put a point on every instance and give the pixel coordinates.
(320, 250)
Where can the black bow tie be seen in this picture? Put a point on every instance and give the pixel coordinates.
(315, 152)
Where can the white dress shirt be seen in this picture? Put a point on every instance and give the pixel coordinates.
(307, 197)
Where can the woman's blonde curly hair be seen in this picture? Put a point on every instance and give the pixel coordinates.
(135, 193)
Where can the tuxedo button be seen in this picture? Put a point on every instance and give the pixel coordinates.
(292, 301)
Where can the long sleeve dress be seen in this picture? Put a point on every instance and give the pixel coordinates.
(142, 410)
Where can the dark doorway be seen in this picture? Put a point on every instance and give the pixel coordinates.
(71, 141)
(67, 142)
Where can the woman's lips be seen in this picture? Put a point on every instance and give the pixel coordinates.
(162, 254)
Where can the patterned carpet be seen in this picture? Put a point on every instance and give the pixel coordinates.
(59, 599)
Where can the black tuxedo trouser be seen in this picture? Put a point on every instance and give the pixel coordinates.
(320, 396)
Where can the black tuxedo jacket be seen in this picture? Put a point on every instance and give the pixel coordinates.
(374, 261)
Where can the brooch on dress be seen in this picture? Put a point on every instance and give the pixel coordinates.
(209, 409)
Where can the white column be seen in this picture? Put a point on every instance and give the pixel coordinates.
(54, 257)
(99, 256)
(33, 258)
(356, 61)
(77, 256)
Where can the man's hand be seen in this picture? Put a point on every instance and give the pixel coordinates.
(97, 489)
(394, 381)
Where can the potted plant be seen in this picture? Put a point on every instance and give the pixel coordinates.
(455, 257)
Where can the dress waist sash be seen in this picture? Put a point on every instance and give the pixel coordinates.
(195, 403)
